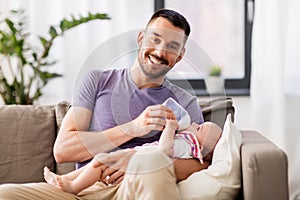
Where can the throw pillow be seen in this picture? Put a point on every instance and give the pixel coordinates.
(27, 136)
(222, 179)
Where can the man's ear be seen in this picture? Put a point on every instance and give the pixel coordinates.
(140, 38)
(180, 55)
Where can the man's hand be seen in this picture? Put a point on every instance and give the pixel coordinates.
(152, 118)
(116, 163)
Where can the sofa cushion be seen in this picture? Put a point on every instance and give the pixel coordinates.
(222, 179)
(27, 136)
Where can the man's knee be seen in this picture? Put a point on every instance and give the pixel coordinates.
(29, 191)
(149, 160)
(8, 191)
(150, 175)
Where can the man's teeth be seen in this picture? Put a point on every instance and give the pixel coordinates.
(154, 60)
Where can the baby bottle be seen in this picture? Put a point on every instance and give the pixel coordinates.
(181, 114)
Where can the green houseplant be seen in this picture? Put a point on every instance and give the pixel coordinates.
(27, 66)
(215, 71)
(214, 82)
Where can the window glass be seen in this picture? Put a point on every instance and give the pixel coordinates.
(217, 29)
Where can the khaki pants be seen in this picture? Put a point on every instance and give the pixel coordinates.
(149, 176)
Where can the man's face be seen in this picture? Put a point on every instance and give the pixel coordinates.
(161, 46)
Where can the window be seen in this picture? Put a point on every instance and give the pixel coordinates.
(221, 35)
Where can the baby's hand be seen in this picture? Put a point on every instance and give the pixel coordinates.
(171, 124)
(170, 114)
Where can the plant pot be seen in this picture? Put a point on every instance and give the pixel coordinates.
(215, 85)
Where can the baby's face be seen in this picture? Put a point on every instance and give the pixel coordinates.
(207, 135)
(201, 131)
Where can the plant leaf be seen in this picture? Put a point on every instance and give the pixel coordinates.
(53, 32)
(43, 41)
(11, 25)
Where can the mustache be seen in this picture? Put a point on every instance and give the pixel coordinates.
(161, 59)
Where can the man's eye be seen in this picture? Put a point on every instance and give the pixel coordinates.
(155, 40)
(173, 47)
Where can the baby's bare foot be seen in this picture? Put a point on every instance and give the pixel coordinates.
(65, 184)
(58, 181)
(49, 176)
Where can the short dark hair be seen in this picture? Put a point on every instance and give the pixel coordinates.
(174, 17)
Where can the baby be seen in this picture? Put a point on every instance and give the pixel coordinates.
(196, 141)
(193, 141)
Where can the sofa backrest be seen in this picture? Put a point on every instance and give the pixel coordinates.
(217, 109)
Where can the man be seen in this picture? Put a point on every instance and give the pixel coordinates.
(116, 110)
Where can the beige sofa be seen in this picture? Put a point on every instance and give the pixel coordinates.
(27, 135)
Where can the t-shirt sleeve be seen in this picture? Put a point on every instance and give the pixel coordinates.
(86, 91)
(195, 112)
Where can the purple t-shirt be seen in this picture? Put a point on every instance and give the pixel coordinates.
(114, 99)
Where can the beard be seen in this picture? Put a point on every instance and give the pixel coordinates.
(165, 68)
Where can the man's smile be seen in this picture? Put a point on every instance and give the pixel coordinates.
(156, 60)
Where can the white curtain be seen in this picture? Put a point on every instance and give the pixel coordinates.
(275, 88)
(72, 50)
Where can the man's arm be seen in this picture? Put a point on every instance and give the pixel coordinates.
(185, 167)
(75, 143)
(117, 162)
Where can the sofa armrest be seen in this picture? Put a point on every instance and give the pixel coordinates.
(264, 168)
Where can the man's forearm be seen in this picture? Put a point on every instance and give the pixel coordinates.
(87, 144)
(185, 167)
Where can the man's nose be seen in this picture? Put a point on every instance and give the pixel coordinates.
(160, 50)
